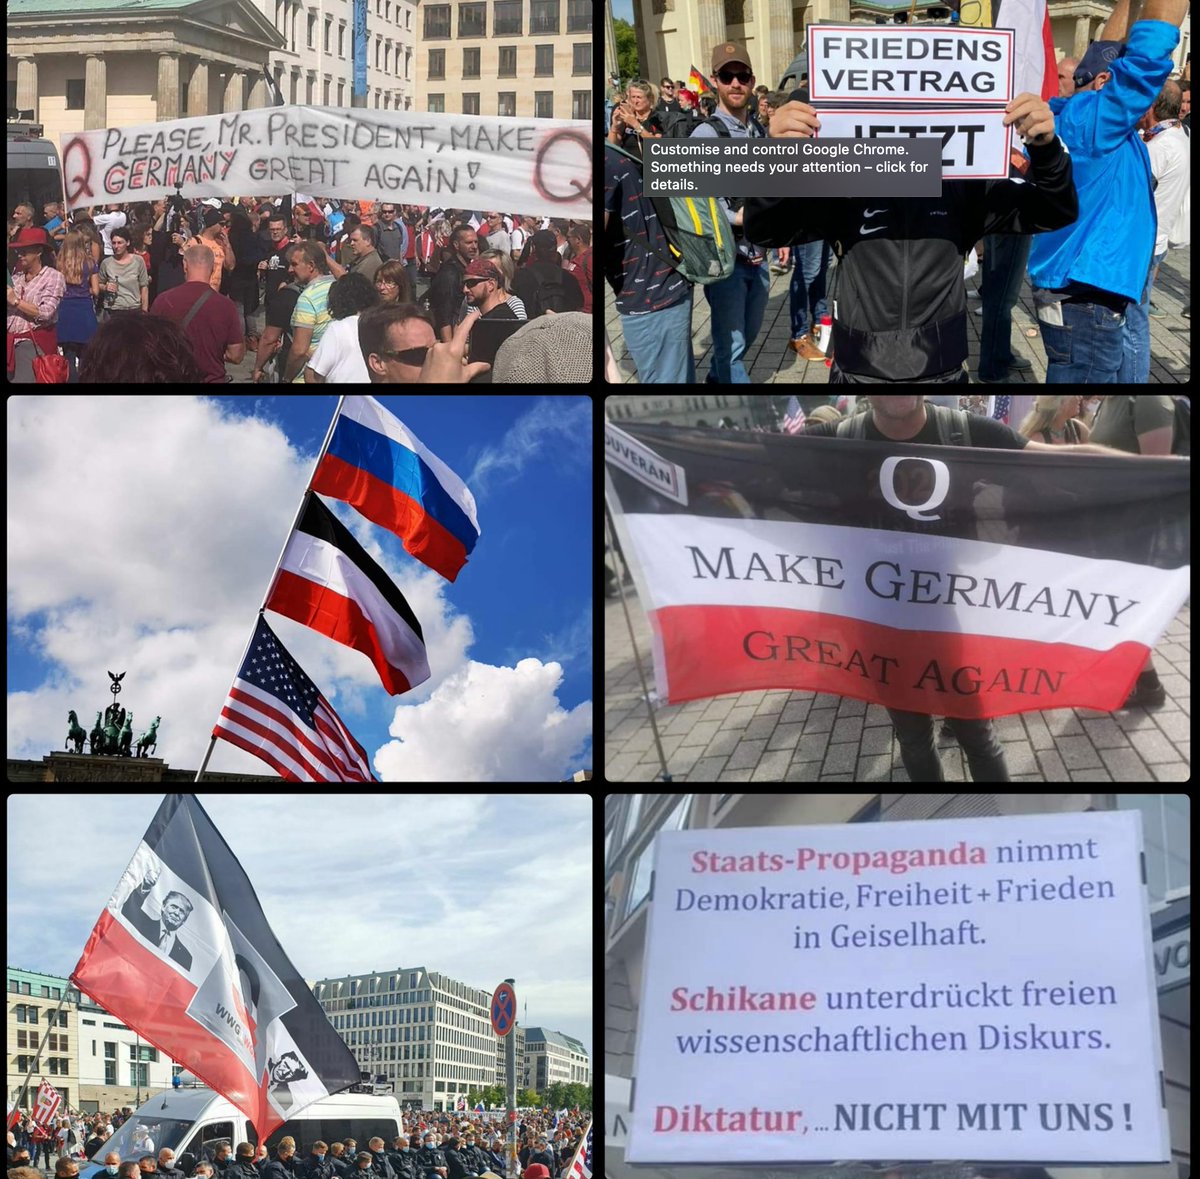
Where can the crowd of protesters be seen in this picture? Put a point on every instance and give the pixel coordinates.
(1093, 202)
(436, 1145)
(176, 290)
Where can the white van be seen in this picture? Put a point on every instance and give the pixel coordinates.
(195, 1121)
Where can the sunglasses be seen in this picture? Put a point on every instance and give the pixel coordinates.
(414, 356)
(728, 76)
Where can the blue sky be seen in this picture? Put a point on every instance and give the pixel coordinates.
(142, 532)
(484, 917)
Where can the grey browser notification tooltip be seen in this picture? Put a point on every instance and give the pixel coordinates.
(802, 167)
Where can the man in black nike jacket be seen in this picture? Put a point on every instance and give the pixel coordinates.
(898, 297)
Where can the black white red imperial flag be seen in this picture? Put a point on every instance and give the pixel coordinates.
(946, 580)
(183, 954)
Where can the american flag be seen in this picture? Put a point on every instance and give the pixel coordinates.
(277, 713)
(1001, 409)
(46, 1105)
(581, 1164)
(793, 419)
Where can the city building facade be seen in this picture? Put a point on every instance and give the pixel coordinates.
(37, 1011)
(426, 1036)
(522, 58)
(554, 1058)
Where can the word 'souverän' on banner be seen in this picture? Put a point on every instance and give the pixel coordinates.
(959, 989)
(946, 580)
(540, 166)
(183, 954)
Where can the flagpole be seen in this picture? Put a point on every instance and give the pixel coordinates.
(275, 572)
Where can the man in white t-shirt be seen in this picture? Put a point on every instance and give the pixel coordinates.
(1171, 165)
(106, 223)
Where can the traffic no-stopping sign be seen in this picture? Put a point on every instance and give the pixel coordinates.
(504, 1009)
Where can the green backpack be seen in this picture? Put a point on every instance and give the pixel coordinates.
(699, 237)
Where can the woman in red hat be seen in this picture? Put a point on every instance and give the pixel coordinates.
(33, 300)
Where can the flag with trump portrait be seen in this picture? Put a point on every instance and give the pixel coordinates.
(183, 954)
(946, 580)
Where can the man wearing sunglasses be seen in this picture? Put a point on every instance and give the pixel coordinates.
(739, 301)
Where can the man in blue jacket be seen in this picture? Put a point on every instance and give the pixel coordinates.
(1086, 273)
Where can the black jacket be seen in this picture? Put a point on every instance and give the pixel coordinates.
(898, 299)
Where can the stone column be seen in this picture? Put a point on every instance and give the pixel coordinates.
(260, 95)
(95, 92)
(1081, 36)
(168, 86)
(27, 85)
(234, 88)
(198, 90)
(710, 28)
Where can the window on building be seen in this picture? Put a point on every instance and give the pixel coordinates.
(543, 16)
(472, 20)
(506, 18)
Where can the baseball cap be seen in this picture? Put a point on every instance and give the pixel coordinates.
(1097, 60)
(729, 52)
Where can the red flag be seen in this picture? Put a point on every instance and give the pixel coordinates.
(327, 581)
(46, 1105)
(184, 956)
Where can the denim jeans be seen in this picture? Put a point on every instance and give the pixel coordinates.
(1004, 258)
(807, 295)
(738, 304)
(660, 343)
(1086, 347)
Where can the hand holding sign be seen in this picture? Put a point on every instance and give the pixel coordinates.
(1032, 118)
(794, 120)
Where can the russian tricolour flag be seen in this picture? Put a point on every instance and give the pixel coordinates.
(378, 466)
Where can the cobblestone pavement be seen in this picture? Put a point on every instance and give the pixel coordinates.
(771, 361)
(784, 736)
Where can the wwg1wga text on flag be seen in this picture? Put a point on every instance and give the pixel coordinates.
(277, 713)
(327, 581)
(382, 469)
(944, 580)
(184, 956)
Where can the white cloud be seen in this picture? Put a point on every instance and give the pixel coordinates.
(488, 724)
(555, 428)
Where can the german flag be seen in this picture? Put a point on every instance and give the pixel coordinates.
(699, 83)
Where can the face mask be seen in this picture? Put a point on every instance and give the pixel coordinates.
(111, 1168)
(319, 1157)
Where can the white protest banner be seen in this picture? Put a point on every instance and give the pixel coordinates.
(540, 166)
(976, 989)
(887, 64)
(644, 465)
(975, 143)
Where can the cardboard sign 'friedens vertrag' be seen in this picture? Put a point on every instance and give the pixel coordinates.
(974, 989)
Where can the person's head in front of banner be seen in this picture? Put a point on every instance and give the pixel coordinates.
(898, 297)
(1091, 280)
(737, 303)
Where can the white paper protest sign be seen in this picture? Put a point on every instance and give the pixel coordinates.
(976, 989)
(644, 464)
(541, 166)
(975, 143)
(888, 64)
